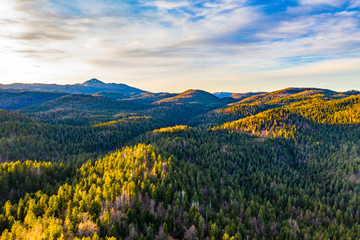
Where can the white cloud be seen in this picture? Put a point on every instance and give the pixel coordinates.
(354, 3)
(334, 3)
(167, 5)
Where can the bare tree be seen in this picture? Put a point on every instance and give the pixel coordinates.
(191, 233)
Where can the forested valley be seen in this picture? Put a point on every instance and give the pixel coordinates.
(278, 165)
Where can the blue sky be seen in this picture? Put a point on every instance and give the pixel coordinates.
(219, 45)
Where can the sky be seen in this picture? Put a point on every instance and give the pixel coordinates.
(163, 45)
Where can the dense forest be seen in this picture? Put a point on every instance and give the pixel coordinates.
(278, 165)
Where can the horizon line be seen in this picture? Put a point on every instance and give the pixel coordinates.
(181, 91)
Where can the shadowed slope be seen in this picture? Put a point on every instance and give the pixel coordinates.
(13, 100)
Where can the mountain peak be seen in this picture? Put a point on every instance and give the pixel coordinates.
(192, 96)
(93, 81)
(199, 94)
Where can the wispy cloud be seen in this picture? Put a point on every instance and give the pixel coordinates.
(335, 3)
(354, 4)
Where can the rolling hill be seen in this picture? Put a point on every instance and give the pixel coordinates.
(288, 95)
(13, 100)
(294, 97)
(111, 95)
(240, 96)
(80, 109)
(82, 102)
(271, 123)
(345, 110)
(193, 97)
(147, 98)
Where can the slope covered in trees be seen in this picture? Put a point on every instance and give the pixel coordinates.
(193, 97)
(195, 184)
(335, 111)
(147, 98)
(280, 165)
(23, 138)
(304, 101)
(13, 100)
(272, 123)
(80, 109)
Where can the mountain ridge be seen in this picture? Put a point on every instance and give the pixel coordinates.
(191, 96)
(91, 86)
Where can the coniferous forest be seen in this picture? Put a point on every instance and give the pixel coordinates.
(140, 165)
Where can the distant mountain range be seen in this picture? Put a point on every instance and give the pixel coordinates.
(110, 98)
(222, 94)
(89, 87)
(20, 95)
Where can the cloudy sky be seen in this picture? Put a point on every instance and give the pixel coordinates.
(164, 45)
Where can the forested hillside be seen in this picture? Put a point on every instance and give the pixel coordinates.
(13, 100)
(279, 165)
